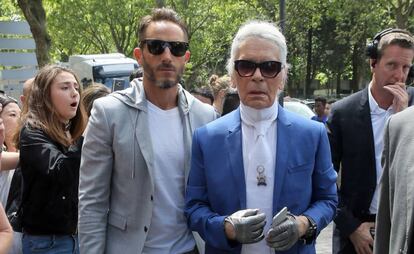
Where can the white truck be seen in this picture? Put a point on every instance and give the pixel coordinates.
(112, 70)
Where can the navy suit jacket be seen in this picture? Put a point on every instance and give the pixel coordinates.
(305, 180)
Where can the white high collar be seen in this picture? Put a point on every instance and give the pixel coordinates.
(256, 117)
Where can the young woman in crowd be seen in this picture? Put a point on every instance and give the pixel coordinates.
(50, 150)
(10, 115)
(91, 93)
(219, 86)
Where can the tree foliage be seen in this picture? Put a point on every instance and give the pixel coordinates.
(326, 38)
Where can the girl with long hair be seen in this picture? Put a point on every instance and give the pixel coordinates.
(50, 151)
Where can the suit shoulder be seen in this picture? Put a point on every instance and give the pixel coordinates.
(349, 101)
(302, 122)
(223, 124)
(201, 107)
(403, 118)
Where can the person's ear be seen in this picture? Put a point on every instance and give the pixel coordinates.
(373, 62)
(187, 56)
(138, 55)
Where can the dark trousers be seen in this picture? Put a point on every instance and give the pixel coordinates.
(343, 245)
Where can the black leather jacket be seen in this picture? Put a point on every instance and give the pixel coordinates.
(50, 183)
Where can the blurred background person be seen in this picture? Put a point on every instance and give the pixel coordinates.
(231, 101)
(320, 105)
(219, 87)
(10, 115)
(91, 93)
(50, 150)
(328, 106)
(203, 94)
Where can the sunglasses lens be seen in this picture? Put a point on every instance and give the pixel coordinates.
(156, 47)
(270, 69)
(244, 68)
(178, 48)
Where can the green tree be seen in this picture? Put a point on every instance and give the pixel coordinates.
(36, 17)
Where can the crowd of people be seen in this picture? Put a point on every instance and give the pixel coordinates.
(223, 169)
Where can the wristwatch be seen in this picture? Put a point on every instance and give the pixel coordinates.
(310, 234)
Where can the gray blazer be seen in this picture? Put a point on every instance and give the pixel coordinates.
(395, 212)
(116, 183)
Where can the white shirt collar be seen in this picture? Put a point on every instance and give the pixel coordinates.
(373, 105)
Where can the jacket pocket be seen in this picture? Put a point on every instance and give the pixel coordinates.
(117, 220)
(300, 168)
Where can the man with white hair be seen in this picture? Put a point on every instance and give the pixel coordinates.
(250, 164)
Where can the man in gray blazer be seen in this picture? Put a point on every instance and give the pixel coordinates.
(394, 231)
(136, 153)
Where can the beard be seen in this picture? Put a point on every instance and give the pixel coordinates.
(162, 82)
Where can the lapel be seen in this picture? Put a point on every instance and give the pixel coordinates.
(142, 140)
(364, 131)
(184, 109)
(233, 145)
(283, 147)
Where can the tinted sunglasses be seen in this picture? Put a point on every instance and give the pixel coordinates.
(157, 47)
(268, 69)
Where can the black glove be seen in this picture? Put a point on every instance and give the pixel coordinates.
(248, 225)
(283, 236)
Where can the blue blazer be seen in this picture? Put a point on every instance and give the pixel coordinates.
(305, 180)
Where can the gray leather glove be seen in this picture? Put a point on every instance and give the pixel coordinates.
(248, 225)
(284, 235)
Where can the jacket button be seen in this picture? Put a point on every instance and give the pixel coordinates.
(152, 198)
(145, 229)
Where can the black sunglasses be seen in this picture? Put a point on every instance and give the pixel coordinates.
(268, 69)
(157, 47)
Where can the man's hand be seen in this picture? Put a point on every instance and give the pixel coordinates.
(284, 235)
(245, 226)
(361, 238)
(400, 101)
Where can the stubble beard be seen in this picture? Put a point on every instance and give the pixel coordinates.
(162, 83)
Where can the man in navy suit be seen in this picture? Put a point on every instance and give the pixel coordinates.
(250, 164)
(356, 129)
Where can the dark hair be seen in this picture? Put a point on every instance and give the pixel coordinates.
(136, 73)
(321, 99)
(402, 39)
(6, 100)
(231, 102)
(331, 101)
(91, 93)
(160, 14)
(203, 91)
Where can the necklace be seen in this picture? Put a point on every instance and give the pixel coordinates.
(261, 177)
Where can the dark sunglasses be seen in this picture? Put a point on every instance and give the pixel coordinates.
(157, 47)
(268, 69)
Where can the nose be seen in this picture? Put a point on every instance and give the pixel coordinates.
(166, 55)
(400, 74)
(74, 92)
(257, 75)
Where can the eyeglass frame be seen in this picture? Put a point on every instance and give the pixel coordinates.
(165, 44)
(257, 65)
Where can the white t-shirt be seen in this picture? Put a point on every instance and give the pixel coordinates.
(5, 182)
(168, 232)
